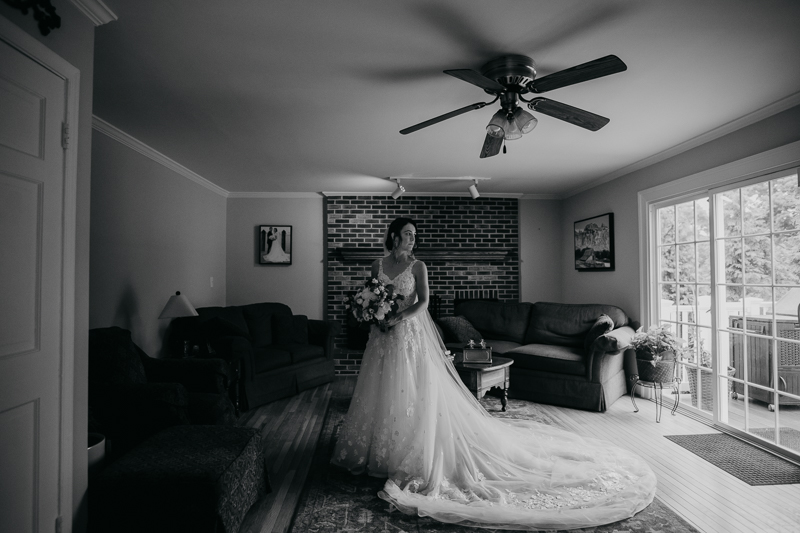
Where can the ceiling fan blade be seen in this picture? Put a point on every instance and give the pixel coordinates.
(440, 118)
(491, 146)
(476, 78)
(579, 73)
(567, 113)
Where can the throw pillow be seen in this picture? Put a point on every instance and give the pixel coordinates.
(282, 328)
(300, 329)
(601, 326)
(458, 329)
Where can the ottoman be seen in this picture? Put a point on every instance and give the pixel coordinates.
(184, 478)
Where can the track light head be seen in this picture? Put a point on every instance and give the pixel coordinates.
(473, 190)
(398, 191)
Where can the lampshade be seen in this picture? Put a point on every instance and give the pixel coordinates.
(524, 120)
(497, 126)
(512, 130)
(178, 305)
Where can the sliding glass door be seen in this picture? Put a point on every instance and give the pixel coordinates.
(727, 272)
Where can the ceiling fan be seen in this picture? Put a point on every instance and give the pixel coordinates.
(509, 77)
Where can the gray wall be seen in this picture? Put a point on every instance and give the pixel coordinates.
(540, 250)
(153, 232)
(619, 196)
(74, 41)
(299, 285)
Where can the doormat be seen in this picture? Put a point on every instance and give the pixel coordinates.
(790, 437)
(334, 501)
(752, 465)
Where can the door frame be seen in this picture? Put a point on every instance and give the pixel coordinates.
(29, 46)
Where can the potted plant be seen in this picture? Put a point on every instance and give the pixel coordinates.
(657, 351)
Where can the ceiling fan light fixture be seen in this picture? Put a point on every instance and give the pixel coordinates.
(497, 126)
(513, 131)
(524, 120)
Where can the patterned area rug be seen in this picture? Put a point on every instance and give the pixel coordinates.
(752, 465)
(334, 501)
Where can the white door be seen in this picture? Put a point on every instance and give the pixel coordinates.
(32, 108)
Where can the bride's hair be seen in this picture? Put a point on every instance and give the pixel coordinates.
(394, 231)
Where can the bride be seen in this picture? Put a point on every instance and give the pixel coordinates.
(276, 253)
(412, 421)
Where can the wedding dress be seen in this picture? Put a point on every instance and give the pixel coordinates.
(276, 253)
(412, 421)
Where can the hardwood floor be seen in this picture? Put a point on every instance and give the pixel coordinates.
(707, 497)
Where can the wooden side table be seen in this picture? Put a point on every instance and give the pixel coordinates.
(479, 378)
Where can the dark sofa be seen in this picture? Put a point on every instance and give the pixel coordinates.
(279, 353)
(564, 354)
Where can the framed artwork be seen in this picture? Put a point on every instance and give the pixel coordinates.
(594, 244)
(275, 245)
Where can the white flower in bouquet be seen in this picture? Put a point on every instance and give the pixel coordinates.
(374, 303)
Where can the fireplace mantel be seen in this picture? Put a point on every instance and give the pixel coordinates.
(483, 255)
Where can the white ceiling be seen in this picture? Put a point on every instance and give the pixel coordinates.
(309, 96)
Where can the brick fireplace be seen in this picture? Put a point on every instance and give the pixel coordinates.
(468, 245)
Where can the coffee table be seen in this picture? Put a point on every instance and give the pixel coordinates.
(479, 378)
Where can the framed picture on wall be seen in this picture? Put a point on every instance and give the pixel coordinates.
(275, 245)
(594, 244)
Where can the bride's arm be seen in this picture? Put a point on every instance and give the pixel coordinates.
(420, 272)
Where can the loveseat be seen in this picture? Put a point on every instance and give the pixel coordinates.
(570, 355)
(278, 353)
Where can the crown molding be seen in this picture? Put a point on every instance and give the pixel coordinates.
(539, 197)
(96, 11)
(134, 144)
(716, 133)
(274, 195)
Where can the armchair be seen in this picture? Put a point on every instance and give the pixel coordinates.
(168, 469)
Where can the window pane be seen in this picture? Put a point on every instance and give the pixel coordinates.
(786, 301)
(685, 222)
(666, 225)
(758, 301)
(786, 203)
(701, 214)
(686, 262)
(733, 260)
(704, 306)
(669, 311)
(731, 308)
(687, 308)
(667, 265)
(731, 211)
(756, 208)
(787, 258)
(758, 267)
(704, 262)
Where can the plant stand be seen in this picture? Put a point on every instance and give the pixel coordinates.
(655, 377)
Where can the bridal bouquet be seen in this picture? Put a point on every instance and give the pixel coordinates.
(374, 303)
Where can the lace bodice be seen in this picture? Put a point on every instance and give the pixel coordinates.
(404, 283)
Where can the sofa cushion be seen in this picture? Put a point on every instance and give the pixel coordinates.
(497, 320)
(601, 326)
(269, 358)
(219, 327)
(457, 329)
(567, 324)
(259, 321)
(501, 347)
(302, 352)
(549, 358)
(287, 329)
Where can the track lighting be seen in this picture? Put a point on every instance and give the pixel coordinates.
(473, 190)
(398, 191)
